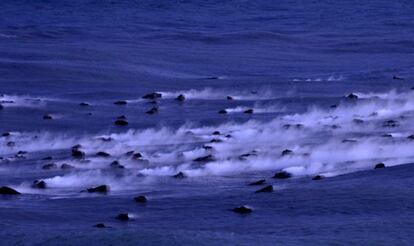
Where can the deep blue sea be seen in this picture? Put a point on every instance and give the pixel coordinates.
(302, 88)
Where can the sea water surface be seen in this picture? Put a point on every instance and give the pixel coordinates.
(290, 64)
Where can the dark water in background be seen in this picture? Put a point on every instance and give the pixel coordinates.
(281, 58)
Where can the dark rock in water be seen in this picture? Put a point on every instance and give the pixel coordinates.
(259, 182)
(179, 175)
(11, 144)
(216, 140)
(216, 133)
(287, 152)
(242, 210)
(411, 137)
(228, 136)
(99, 189)
(116, 164)
(349, 141)
(286, 126)
(333, 106)
(206, 158)
(121, 102)
(8, 191)
(352, 96)
(180, 98)
(379, 165)
(140, 199)
(6, 134)
(391, 123)
(1, 107)
(249, 111)
(121, 122)
(154, 110)
(223, 111)
(122, 217)
(122, 117)
(49, 166)
(137, 155)
(397, 78)
(102, 154)
(387, 135)
(282, 175)
(318, 177)
(207, 147)
(84, 104)
(358, 121)
(39, 184)
(76, 153)
(335, 127)
(65, 166)
(129, 153)
(48, 158)
(229, 98)
(153, 102)
(47, 117)
(100, 225)
(268, 188)
(152, 96)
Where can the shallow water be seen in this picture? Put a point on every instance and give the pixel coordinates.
(289, 62)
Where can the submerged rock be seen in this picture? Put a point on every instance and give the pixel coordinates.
(84, 104)
(116, 164)
(249, 111)
(6, 134)
(229, 98)
(76, 153)
(99, 189)
(49, 166)
(39, 184)
(152, 96)
(122, 117)
(282, 175)
(391, 123)
(11, 144)
(242, 210)
(102, 154)
(223, 111)
(287, 152)
(216, 140)
(206, 158)
(268, 188)
(47, 158)
(136, 156)
(352, 96)
(100, 225)
(379, 165)
(318, 177)
(358, 121)
(121, 102)
(397, 78)
(65, 166)
(8, 191)
(259, 182)
(411, 137)
(154, 110)
(140, 199)
(179, 175)
(216, 133)
(123, 217)
(47, 117)
(180, 98)
(121, 122)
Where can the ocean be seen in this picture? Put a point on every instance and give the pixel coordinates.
(188, 102)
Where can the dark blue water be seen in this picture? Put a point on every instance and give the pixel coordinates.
(288, 61)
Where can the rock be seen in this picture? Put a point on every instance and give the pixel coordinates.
(121, 102)
(99, 189)
(411, 137)
(76, 153)
(386, 135)
(397, 78)
(244, 156)
(11, 144)
(8, 191)
(180, 98)
(179, 175)
(287, 152)
(358, 121)
(207, 147)
(65, 166)
(121, 122)
(6, 134)
(282, 175)
(352, 96)
(216, 133)
(216, 140)
(152, 96)
(242, 210)
(102, 154)
(136, 156)
(229, 98)
(206, 158)
(39, 184)
(268, 188)
(48, 158)
(47, 117)
(379, 165)
(249, 111)
(122, 217)
(122, 117)
(223, 111)
(84, 104)
(100, 225)
(349, 141)
(140, 199)
(318, 177)
(333, 106)
(154, 110)
(115, 164)
(49, 166)
(228, 136)
(259, 182)
(1, 107)
(391, 123)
